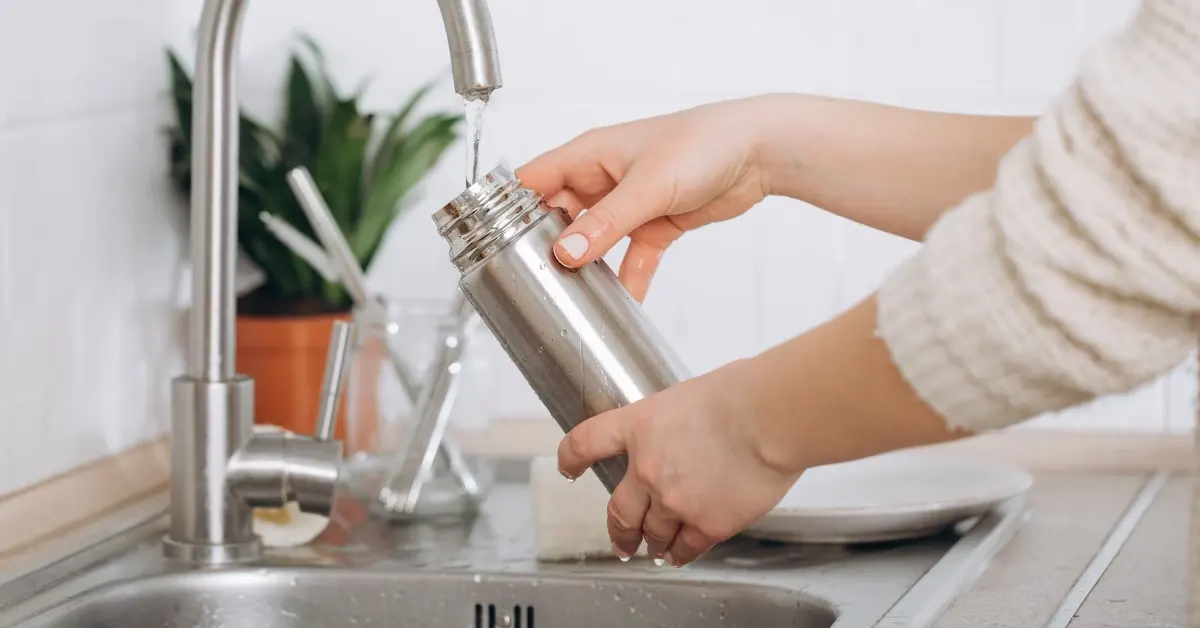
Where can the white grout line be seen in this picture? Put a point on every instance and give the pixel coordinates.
(1108, 552)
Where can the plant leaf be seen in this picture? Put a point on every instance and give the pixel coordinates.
(327, 89)
(181, 93)
(392, 135)
(179, 149)
(411, 162)
(340, 161)
(303, 117)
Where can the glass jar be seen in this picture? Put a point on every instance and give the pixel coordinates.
(380, 412)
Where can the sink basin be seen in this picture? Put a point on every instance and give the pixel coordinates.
(482, 573)
(329, 598)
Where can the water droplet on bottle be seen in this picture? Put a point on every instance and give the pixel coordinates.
(563, 333)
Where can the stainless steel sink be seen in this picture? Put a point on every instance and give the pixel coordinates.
(481, 574)
(303, 598)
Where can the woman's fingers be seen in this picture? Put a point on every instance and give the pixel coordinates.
(626, 516)
(689, 545)
(647, 244)
(568, 200)
(644, 194)
(576, 165)
(659, 530)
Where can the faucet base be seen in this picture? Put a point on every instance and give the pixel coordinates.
(213, 555)
(211, 422)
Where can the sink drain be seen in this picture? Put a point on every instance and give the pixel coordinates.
(492, 617)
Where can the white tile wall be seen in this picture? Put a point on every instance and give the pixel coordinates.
(89, 238)
(91, 242)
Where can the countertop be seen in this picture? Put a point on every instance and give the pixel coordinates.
(1072, 515)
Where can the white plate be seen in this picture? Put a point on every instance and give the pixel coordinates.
(900, 495)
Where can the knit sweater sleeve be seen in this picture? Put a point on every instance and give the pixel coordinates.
(1078, 273)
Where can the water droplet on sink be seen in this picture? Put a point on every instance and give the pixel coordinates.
(617, 597)
(478, 578)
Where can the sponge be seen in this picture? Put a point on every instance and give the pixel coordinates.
(569, 519)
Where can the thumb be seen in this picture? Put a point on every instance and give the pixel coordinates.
(639, 198)
(599, 438)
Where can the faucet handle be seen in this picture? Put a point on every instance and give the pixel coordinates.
(335, 376)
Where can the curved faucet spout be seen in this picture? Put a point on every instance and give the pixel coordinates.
(474, 59)
(212, 410)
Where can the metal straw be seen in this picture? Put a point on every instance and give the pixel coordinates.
(354, 280)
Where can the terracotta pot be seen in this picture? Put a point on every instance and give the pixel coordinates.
(285, 355)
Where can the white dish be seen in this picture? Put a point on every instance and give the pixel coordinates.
(900, 495)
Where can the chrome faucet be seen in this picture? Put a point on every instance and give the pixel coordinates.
(220, 468)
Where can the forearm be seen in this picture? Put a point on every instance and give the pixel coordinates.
(890, 168)
(1077, 274)
(834, 394)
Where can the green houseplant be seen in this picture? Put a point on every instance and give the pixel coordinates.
(366, 165)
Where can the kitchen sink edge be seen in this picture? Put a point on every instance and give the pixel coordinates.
(482, 573)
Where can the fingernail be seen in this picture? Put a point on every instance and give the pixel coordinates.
(620, 553)
(575, 245)
(658, 562)
(569, 478)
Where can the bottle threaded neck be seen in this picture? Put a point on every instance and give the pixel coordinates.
(489, 214)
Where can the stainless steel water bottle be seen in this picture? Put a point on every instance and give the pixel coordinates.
(582, 342)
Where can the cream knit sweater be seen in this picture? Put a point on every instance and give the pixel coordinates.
(1078, 274)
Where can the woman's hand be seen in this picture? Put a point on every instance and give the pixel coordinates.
(713, 454)
(699, 468)
(890, 168)
(652, 180)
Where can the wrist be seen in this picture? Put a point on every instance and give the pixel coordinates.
(833, 395)
(775, 147)
(773, 420)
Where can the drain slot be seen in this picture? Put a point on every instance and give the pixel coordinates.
(491, 617)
